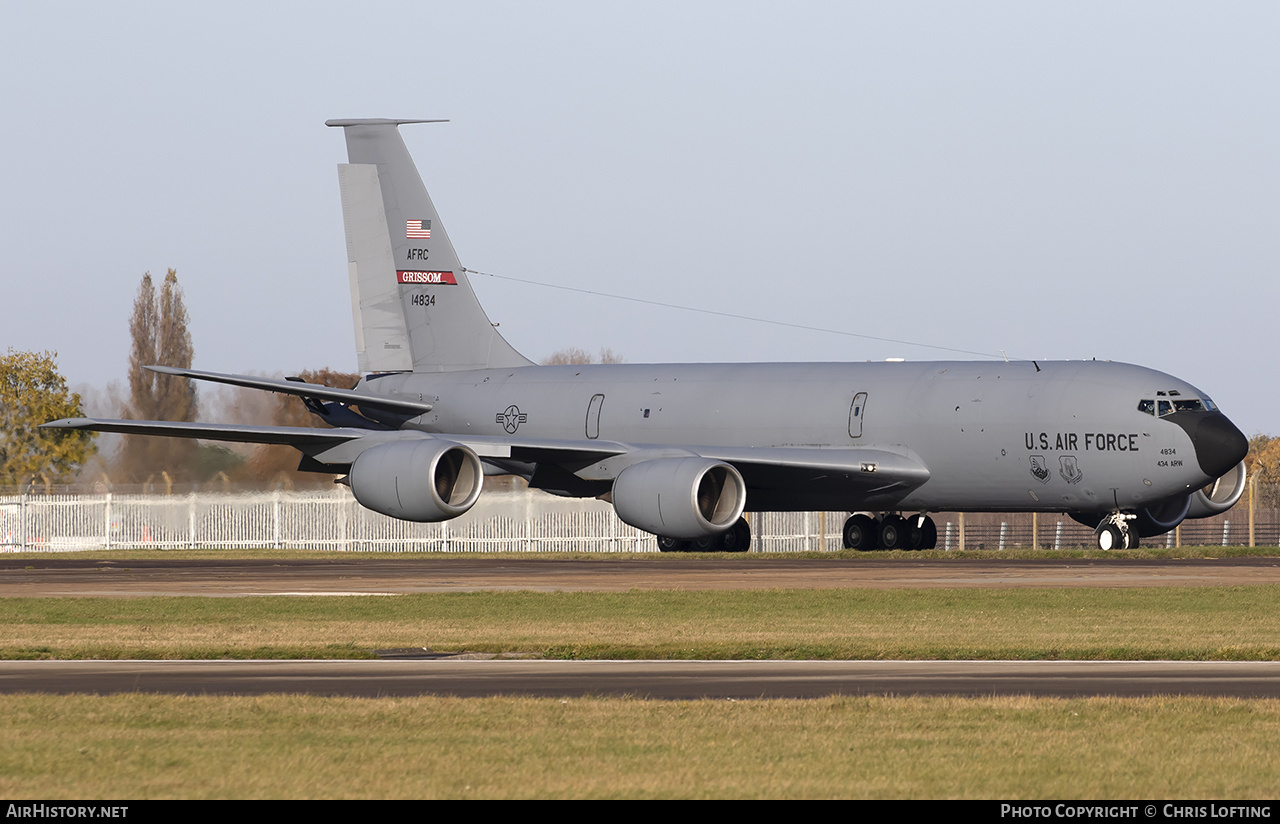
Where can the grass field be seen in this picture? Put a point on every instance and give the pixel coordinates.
(285, 746)
(147, 746)
(1202, 623)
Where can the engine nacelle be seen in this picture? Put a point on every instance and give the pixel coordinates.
(1162, 516)
(684, 498)
(1151, 520)
(421, 480)
(1220, 495)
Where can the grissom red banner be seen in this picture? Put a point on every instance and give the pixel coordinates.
(427, 277)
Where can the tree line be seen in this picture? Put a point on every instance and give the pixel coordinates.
(32, 392)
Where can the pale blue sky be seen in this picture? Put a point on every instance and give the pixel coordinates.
(1053, 180)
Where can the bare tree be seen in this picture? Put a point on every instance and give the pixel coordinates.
(176, 397)
(159, 335)
(573, 354)
(142, 351)
(272, 465)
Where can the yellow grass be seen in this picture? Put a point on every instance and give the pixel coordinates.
(1169, 622)
(146, 746)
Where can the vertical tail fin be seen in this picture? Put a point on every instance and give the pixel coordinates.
(413, 305)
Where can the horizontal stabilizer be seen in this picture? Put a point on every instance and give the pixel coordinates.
(375, 121)
(308, 390)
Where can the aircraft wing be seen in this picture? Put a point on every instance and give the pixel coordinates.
(877, 467)
(291, 435)
(337, 446)
(867, 469)
(410, 406)
(777, 474)
(785, 477)
(788, 477)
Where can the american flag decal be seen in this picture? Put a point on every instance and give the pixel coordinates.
(417, 228)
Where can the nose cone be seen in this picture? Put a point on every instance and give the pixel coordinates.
(1219, 444)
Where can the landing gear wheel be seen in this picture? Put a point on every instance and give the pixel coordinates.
(1110, 537)
(860, 533)
(737, 538)
(930, 530)
(922, 533)
(1131, 537)
(893, 532)
(709, 544)
(666, 544)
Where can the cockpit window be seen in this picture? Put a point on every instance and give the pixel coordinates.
(1160, 408)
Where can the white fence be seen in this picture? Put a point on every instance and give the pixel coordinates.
(501, 521)
(524, 521)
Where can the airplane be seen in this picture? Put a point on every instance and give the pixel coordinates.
(682, 450)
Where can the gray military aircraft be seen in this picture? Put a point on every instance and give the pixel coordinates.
(681, 450)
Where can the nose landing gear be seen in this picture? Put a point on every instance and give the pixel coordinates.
(1117, 531)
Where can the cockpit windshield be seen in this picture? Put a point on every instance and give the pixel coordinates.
(1160, 408)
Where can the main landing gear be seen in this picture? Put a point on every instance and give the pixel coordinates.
(1118, 530)
(736, 538)
(891, 531)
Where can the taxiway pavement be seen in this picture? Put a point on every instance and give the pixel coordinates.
(649, 679)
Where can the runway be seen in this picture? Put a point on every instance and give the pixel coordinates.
(648, 679)
(60, 576)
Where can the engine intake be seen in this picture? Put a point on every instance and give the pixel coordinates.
(684, 498)
(1160, 517)
(425, 480)
(1220, 495)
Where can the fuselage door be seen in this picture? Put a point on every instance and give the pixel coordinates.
(856, 413)
(593, 416)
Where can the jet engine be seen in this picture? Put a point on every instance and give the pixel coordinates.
(683, 498)
(1152, 520)
(1220, 495)
(1162, 516)
(420, 480)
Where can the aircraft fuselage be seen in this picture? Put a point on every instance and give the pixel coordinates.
(1054, 436)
